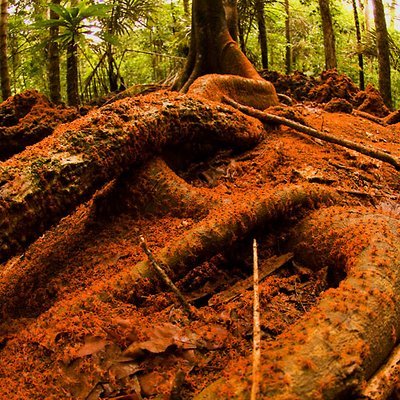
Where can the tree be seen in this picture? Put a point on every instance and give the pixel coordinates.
(213, 51)
(328, 33)
(72, 22)
(359, 53)
(4, 73)
(54, 58)
(288, 47)
(382, 44)
(262, 32)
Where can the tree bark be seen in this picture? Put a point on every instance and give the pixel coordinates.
(232, 18)
(288, 49)
(186, 8)
(382, 44)
(329, 35)
(359, 53)
(54, 60)
(212, 49)
(262, 32)
(72, 74)
(342, 341)
(47, 180)
(4, 73)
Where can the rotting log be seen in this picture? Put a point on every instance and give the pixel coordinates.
(46, 181)
(224, 226)
(342, 341)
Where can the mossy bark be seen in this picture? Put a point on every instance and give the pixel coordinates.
(46, 181)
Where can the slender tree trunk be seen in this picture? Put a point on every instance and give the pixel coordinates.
(359, 54)
(393, 6)
(72, 74)
(54, 60)
(382, 44)
(367, 5)
(242, 42)
(329, 35)
(186, 7)
(262, 32)
(4, 73)
(288, 55)
(112, 76)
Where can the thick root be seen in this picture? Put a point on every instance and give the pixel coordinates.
(220, 230)
(254, 93)
(342, 341)
(47, 180)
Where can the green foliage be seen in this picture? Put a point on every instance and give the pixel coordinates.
(149, 39)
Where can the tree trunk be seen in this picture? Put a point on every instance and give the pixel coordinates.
(47, 180)
(54, 60)
(212, 49)
(329, 35)
(335, 348)
(359, 53)
(242, 42)
(186, 7)
(232, 18)
(262, 32)
(288, 55)
(72, 74)
(112, 76)
(4, 73)
(382, 44)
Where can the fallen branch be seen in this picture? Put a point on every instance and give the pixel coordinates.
(370, 117)
(256, 378)
(163, 276)
(270, 118)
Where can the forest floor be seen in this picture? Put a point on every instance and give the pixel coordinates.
(58, 342)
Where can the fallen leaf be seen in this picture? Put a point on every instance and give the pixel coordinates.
(92, 345)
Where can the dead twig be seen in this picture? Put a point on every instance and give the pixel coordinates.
(256, 328)
(165, 278)
(366, 150)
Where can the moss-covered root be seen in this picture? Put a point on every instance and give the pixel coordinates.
(224, 226)
(47, 180)
(154, 188)
(342, 341)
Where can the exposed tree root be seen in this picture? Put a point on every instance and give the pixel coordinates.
(270, 118)
(254, 93)
(27, 118)
(343, 340)
(382, 384)
(47, 180)
(154, 189)
(219, 230)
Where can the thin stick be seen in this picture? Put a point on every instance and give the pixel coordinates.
(366, 150)
(256, 328)
(165, 278)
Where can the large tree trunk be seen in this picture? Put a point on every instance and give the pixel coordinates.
(329, 35)
(47, 180)
(262, 32)
(232, 18)
(4, 73)
(382, 44)
(54, 60)
(72, 74)
(212, 49)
